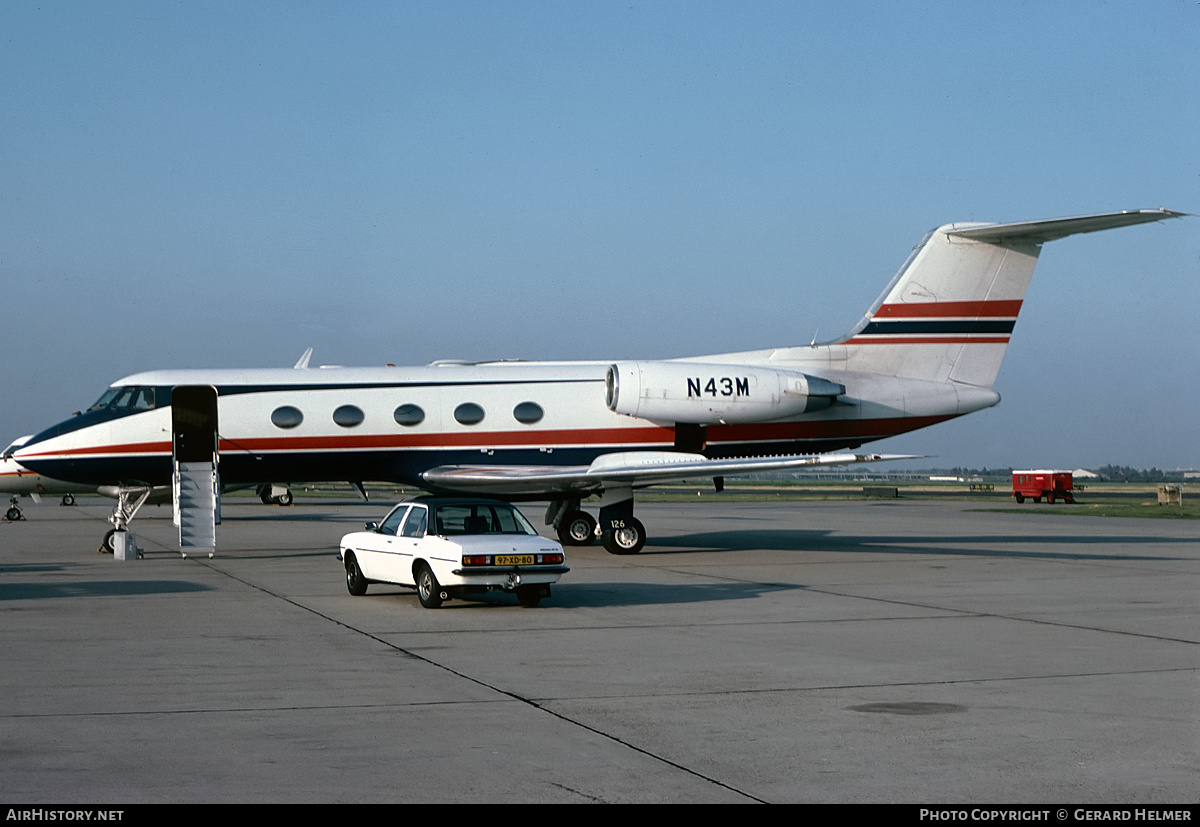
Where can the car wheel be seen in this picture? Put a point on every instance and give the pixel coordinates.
(356, 584)
(429, 591)
(628, 539)
(1020, 498)
(529, 596)
(578, 529)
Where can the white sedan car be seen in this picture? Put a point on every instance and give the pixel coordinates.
(447, 547)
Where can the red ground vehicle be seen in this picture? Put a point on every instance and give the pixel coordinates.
(1043, 483)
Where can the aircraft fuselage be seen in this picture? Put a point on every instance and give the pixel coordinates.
(392, 424)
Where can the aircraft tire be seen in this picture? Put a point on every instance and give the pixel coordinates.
(578, 529)
(429, 591)
(68, 499)
(628, 539)
(13, 514)
(356, 584)
(284, 499)
(107, 545)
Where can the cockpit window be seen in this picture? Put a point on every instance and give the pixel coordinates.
(128, 398)
(143, 399)
(106, 397)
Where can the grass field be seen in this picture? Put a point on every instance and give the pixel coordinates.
(1094, 500)
(1147, 509)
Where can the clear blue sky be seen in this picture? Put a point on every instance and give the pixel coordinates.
(222, 184)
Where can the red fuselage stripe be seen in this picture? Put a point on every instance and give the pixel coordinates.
(865, 429)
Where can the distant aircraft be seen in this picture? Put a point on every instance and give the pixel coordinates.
(928, 350)
(16, 479)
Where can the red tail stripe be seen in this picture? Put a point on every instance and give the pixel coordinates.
(974, 310)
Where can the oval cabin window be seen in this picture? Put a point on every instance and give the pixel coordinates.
(348, 416)
(286, 417)
(528, 413)
(409, 415)
(468, 413)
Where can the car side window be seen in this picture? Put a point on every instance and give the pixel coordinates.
(393, 521)
(418, 520)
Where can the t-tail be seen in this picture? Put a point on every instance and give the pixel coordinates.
(948, 314)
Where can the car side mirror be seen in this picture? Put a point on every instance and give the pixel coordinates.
(373, 527)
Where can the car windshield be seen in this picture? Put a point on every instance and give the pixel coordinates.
(481, 518)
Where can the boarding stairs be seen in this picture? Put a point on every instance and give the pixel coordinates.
(197, 506)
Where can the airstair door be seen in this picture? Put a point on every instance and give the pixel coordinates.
(197, 486)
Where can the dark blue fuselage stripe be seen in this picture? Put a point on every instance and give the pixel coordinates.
(233, 390)
(957, 326)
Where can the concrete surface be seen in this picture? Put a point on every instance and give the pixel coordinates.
(807, 652)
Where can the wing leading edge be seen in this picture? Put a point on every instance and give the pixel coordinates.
(636, 469)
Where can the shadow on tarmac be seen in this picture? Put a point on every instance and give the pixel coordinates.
(966, 546)
(607, 595)
(97, 588)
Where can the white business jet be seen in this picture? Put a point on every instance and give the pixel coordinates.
(928, 350)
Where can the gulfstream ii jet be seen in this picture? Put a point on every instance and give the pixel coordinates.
(928, 350)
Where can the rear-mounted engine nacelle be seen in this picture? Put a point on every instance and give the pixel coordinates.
(709, 394)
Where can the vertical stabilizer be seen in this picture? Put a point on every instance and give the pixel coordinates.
(948, 314)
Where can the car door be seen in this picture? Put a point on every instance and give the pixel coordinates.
(378, 550)
(410, 544)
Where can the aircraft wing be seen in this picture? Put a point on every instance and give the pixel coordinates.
(633, 468)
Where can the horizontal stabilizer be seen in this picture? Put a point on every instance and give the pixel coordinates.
(633, 468)
(1037, 232)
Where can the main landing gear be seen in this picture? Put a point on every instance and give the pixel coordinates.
(272, 494)
(618, 530)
